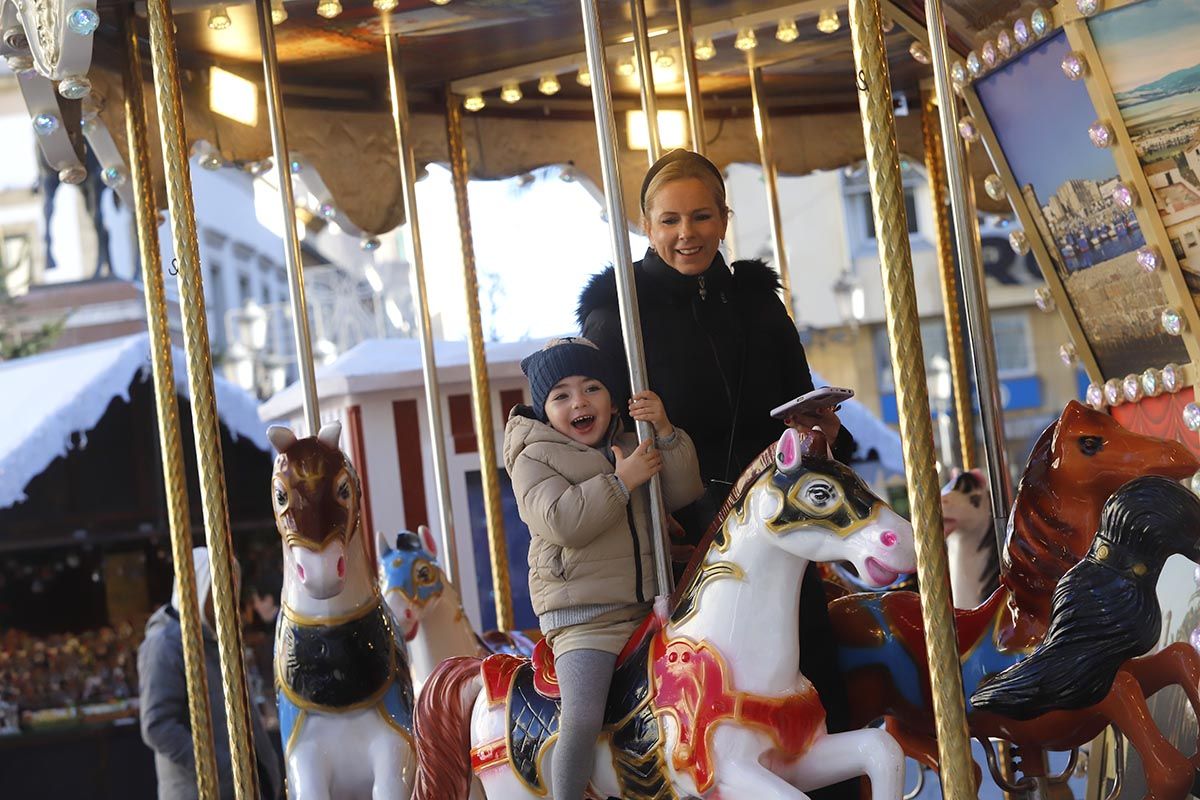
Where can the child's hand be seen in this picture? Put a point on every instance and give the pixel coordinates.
(639, 466)
(648, 407)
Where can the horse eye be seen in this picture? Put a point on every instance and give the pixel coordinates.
(280, 496)
(344, 490)
(1090, 445)
(819, 494)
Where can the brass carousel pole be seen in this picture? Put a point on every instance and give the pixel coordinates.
(935, 167)
(766, 155)
(433, 394)
(163, 369)
(641, 48)
(904, 333)
(287, 199)
(206, 426)
(691, 76)
(481, 390)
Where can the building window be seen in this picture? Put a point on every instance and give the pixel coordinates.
(933, 342)
(910, 211)
(1014, 344)
(1177, 249)
(216, 304)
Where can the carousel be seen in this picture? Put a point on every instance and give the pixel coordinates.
(1081, 118)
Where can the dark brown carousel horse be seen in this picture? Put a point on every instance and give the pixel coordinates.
(1075, 466)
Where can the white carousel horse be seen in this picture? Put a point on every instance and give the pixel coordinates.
(345, 694)
(429, 609)
(970, 539)
(709, 702)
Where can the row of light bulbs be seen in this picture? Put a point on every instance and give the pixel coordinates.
(218, 16)
(548, 84)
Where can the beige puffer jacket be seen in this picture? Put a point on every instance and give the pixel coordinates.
(589, 546)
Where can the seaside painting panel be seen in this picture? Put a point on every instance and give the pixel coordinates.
(1041, 121)
(1151, 54)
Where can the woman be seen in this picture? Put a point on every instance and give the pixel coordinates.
(721, 352)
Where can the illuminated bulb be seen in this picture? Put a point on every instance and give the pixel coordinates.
(474, 101)
(384, 5)
(787, 31)
(625, 67)
(746, 40)
(705, 49)
(548, 84)
(279, 14)
(440, 2)
(828, 21)
(584, 78)
(329, 8)
(218, 19)
(663, 59)
(510, 92)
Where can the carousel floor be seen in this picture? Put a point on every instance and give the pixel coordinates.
(105, 762)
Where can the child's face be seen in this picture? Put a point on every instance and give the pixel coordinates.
(580, 408)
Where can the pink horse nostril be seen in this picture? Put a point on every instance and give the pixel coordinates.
(888, 538)
(300, 571)
(341, 567)
(408, 613)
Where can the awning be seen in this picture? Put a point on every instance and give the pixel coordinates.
(45, 399)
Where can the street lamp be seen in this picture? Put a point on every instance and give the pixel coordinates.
(246, 331)
(850, 298)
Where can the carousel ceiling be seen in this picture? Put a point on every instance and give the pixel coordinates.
(334, 76)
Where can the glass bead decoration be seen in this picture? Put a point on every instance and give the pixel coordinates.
(75, 87)
(1043, 299)
(1149, 258)
(83, 21)
(1133, 388)
(919, 53)
(45, 124)
(1152, 383)
(958, 74)
(994, 187)
(1087, 7)
(1019, 242)
(974, 64)
(1191, 416)
(113, 177)
(328, 211)
(1172, 380)
(1114, 393)
(968, 130)
(1073, 65)
(1195, 486)
(1095, 396)
(988, 54)
(1100, 134)
(89, 126)
(369, 244)
(1039, 22)
(73, 175)
(1172, 321)
(1066, 354)
(297, 167)
(1021, 32)
(1004, 44)
(1124, 195)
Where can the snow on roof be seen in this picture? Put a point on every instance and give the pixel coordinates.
(46, 398)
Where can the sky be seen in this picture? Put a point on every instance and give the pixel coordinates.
(1041, 119)
(1143, 42)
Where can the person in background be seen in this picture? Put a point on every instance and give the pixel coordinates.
(163, 700)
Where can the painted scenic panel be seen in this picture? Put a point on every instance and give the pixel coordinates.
(1041, 120)
(1150, 54)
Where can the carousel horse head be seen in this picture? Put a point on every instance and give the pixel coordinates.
(410, 576)
(316, 494)
(965, 503)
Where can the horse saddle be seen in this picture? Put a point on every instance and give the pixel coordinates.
(530, 688)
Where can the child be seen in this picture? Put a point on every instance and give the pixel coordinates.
(579, 484)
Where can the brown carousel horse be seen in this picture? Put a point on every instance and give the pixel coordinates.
(1075, 466)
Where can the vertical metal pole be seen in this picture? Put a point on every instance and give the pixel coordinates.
(691, 76)
(287, 200)
(433, 394)
(618, 228)
(979, 321)
(935, 168)
(908, 363)
(206, 426)
(481, 390)
(163, 369)
(766, 155)
(641, 48)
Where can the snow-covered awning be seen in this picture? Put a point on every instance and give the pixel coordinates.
(46, 398)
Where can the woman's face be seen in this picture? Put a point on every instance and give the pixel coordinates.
(685, 225)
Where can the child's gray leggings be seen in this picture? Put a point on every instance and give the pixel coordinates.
(583, 680)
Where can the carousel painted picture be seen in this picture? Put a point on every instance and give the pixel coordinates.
(1150, 55)
(1041, 121)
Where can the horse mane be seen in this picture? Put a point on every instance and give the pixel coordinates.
(765, 461)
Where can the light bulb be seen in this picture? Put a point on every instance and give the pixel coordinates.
(329, 8)
(584, 78)
(474, 101)
(787, 31)
(548, 84)
(662, 59)
(218, 19)
(828, 21)
(385, 5)
(625, 67)
(279, 14)
(705, 49)
(510, 92)
(746, 40)
(440, 2)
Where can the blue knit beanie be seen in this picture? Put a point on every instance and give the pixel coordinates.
(562, 358)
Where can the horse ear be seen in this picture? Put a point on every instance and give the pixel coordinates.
(978, 473)
(787, 452)
(815, 445)
(382, 545)
(330, 433)
(427, 539)
(281, 436)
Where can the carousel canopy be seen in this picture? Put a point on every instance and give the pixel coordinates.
(49, 397)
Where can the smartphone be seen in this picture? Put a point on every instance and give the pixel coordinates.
(825, 397)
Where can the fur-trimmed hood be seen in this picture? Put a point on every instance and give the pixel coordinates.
(752, 275)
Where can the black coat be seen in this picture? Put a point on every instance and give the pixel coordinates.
(721, 351)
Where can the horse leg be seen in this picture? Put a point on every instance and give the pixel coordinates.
(309, 775)
(393, 764)
(739, 771)
(1168, 773)
(839, 756)
(1177, 664)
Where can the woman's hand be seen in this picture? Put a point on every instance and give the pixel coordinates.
(824, 418)
(639, 466)
(646, 406)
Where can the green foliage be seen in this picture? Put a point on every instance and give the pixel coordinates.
(18, 338)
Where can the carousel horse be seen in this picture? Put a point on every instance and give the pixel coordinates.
(700, 704)
(1075, 466)
(345, 693)
(428, 607)
(1104, 614)
(971, 548)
